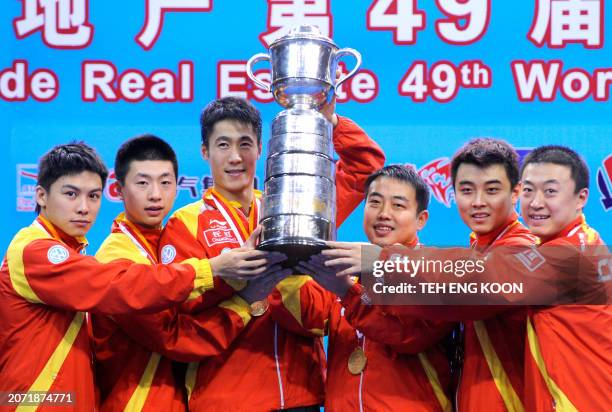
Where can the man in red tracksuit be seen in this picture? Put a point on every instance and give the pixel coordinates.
(485, 179)
(268, 367)
(568, 364)
(47, 285)
(130, 376)
(377, 361)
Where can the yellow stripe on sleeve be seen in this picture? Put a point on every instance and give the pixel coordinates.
(203, 280)
(51, 369)
(502, 382)
(139, 397)
(432, 376)
(240, 306)
(289, 289)
(190, 377)
(562, 402)
(14, 259)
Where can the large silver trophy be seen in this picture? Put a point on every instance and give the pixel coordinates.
(299, 200)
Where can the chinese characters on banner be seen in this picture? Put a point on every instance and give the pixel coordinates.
(66, 24)
(559, 22)
(154, 17)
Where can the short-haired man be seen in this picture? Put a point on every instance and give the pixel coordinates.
(268, 366)
(567, 361)
(47, 285)
(485, 177)
(378, 361)
(130, 376)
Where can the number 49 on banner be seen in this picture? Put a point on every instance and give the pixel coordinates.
(443, 80)
(466, 21)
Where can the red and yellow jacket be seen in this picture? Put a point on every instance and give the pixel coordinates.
(129, 374)
(405, 370)
(46, 285)
(268, 366)
(568, 364)
(493, 359)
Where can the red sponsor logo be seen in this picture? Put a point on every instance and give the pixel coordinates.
(27, 175)
(437, 175)
(111, 191)
(217, 235)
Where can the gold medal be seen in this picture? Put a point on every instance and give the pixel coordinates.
(357, 361)
(259, 307)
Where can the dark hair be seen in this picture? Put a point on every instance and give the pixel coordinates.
(144, 147)
(403, 174)
(229, 108)
(564, 156)
(69, 159)
(484, 152)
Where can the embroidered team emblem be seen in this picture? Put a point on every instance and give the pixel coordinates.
(531, 259)
(57, 254)
(168, 253)
(604, 269)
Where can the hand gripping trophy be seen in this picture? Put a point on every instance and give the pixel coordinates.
(299, 199)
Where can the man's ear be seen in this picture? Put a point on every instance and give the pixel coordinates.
(41, 196)
(120, 190)
(422, 219)
(583, 197)
(204, 152)
(258, 150)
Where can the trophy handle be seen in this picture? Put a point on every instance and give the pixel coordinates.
(249, 69)
(348, 52)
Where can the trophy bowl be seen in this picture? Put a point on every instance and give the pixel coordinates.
(303, 68)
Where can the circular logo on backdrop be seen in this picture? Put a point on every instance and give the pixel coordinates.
(168, 253)
(57, 254)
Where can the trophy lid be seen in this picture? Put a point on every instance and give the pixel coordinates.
(304, 32)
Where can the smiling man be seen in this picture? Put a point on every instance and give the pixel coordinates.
(567, 362)
(378, 361)
(486, 181)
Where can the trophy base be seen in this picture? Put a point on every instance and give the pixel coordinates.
(296, 249)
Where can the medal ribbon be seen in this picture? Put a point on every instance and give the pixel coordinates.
(138, 240)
